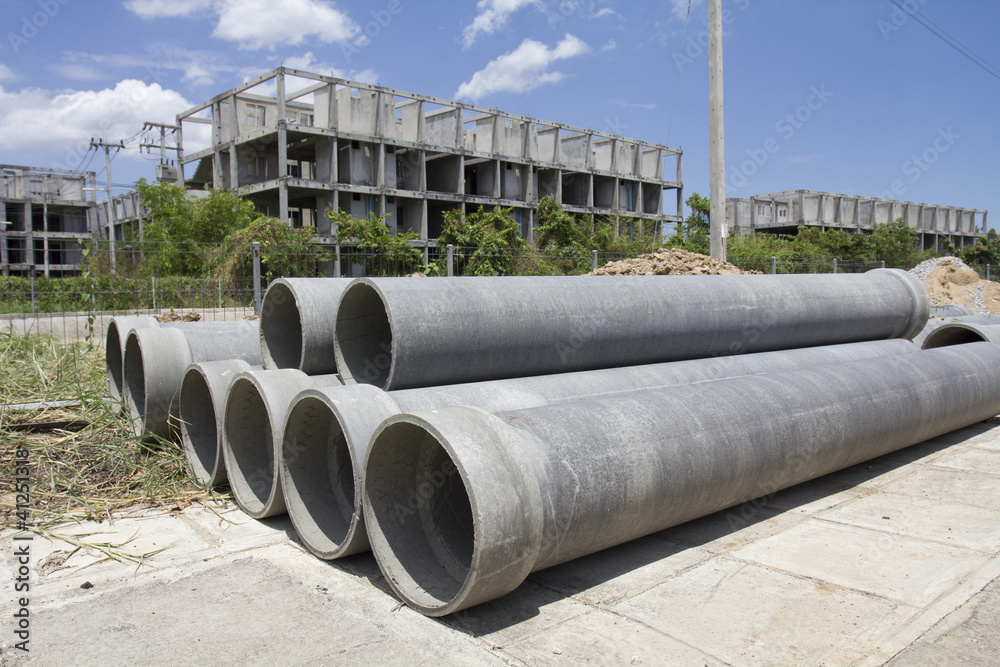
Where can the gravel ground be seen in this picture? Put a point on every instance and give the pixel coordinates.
(923, 270)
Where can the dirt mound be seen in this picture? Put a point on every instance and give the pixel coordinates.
(666, 262)
(179, 317)
(949, 280)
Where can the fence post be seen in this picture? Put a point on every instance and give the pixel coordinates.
(32, 293)
(451, 260)
(834, 264)
(336, 261)
(774, 265)
(152, 282)
(988, 272)
(883, 263)
(220, 293)
(256, 277)
(594, 262)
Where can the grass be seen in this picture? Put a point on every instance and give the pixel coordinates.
(87, 473)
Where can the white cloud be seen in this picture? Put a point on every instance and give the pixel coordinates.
(492, 14)
(76, 71)
(256, 24)
(601, 13)
(6, 73)
(154, 9)
(33, 118)
(609, 45)
(521, 70)
(200, 68)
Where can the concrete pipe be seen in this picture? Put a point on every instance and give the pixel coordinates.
(462, 504)
(397, 333)
(957, 333)
(951, 310)
(328, 429)
(297, 318)
(155, 361)
(937, 322)
(253, 425)
(114, 345)
(202, 400)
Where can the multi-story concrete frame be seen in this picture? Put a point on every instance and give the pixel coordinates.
(365, 148)
(44, 214)
(783, 212)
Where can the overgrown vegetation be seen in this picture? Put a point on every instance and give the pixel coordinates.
(87, 473)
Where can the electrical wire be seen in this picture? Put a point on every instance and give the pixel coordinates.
(943, 35)
(673, 99)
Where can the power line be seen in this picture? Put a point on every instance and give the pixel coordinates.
(950, 41)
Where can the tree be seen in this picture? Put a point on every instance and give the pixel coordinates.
(283, 251)
(383, 252)
(483, 241)
(693, 233)
(896, 243)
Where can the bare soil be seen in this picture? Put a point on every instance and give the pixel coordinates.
(666, 262)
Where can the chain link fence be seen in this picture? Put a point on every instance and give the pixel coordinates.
(227, 282)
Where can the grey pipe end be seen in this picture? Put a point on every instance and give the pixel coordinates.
(453, 508)
(202, 405)
(114, 347)
(362, 340)
(152, 371)
(958, 333)
(921, 311)
(326, 437)
(280, 327)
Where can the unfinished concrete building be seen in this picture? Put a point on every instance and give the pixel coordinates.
(784, 212)
(365, 148)
(44, 215)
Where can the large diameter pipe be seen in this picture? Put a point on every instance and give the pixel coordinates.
(462, 504)
(969, 330)
(202, 401)
(328, 429)
(297, 318)
(117, 334)
(114, 345)
(935, 323)
(253, 425)
(397, 333)
(155, 361)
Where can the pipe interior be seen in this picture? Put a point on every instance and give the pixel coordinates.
(281, 328)
(364, 336)
(423, 511)
(134, 383)
(318, 460)
(199, 430)
(248, 432)
(113, 360)
(946, 336)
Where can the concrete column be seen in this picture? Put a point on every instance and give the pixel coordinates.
(234, 167)
(680, 189)
(45, 238)
(29, 237)
(283, 200)
(4, 255)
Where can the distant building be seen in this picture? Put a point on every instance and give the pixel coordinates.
(370, 149)
(783, 212)
(44, 215)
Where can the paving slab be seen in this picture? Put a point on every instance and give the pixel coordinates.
(808, 575)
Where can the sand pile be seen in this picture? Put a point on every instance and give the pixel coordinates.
(190, 316)
(950, 280)
(665, 262)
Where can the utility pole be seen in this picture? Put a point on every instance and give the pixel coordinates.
(163, 127)
(111, 210)
(717, 135)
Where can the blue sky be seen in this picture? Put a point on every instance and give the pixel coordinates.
(852, 96)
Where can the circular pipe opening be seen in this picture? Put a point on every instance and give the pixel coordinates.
(280, 328)
(363, 336)
(134, 384)
(422, 512)
(319, 483)
(248, 438)
(951, 335)
(113, 360)
(199, 429)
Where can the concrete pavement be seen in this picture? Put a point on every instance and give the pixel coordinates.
(893, 560)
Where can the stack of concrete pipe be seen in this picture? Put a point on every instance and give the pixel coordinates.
(470, 431)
